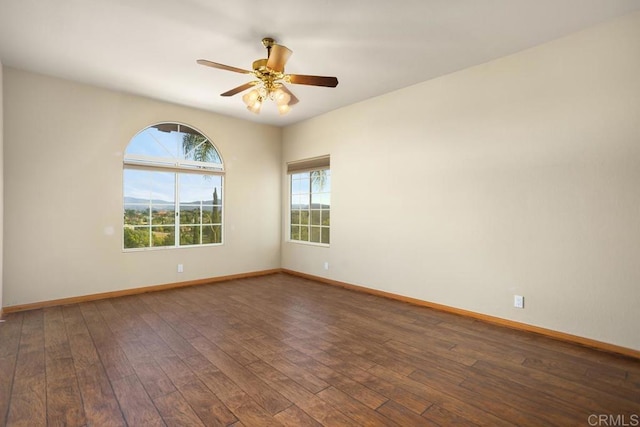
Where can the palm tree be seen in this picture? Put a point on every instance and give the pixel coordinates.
(197, 147)
(319, 178)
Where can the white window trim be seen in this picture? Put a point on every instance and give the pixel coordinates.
(177, 166)
(287, 230)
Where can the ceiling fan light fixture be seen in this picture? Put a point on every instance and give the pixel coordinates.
(255, 106)
(283, 109)
(270, 78)
(251, 97)
(281, 97)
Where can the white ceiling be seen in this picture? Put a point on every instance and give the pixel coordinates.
(149, 47)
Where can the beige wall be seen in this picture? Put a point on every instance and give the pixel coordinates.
(63, 174)
(518, 176)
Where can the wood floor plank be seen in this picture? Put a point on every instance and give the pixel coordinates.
(296, 417)
(10, 331)
(175, 410)
(354, 409)
(282, 350)
(442, 417)
(572, 394)
(28, 404)
(526, 404)
(316, 408)
(268, 398)
(136, 405)
(248, 411)
(463, 406)
(99, 402)
(29, 407)
(403, 416)
(112, 356)
(577, 374)
(361, 384)
(64, 402)
(206, 405)
(153, 378)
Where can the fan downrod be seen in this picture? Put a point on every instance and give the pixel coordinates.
(268, 42)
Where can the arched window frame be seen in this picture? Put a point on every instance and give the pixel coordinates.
(184, 166)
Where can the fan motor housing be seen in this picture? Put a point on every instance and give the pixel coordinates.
(260, 64)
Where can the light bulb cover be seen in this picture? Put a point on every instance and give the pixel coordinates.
(251, 97)
(255, 106)
(283, 109)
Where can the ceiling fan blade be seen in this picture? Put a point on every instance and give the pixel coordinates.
(300, 79)
(239, 89)
(293, 100)
(278, 57)
(222, 66)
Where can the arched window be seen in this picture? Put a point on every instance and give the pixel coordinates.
(172, 178)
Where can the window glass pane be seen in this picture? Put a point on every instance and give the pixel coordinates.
(304, 217)
(136, 237)
(146, 143)
(315, 217)
(300, 201)
(136, 214)
(300, 185)
(295, 232)
(198, 148)
(216, 217)
(189, 214)
(326, 218)
(310, 204)
(207, 214)
(141, 186)
(200, 188)
(295, 217)
(163, 236)
(319, 200)
(319, 181)
(315, 234)
(325, 235)
(211, 234)
(190, 235)
(167, 138)
(304, 234)
(163, 214)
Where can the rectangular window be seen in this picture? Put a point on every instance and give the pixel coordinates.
(170, 209)
(310, 202)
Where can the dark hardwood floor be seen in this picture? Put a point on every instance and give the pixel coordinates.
(281, 350)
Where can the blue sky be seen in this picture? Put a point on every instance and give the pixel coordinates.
(161, 185)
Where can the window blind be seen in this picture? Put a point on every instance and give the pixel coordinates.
(315, 163)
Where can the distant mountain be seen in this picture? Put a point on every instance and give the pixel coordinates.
(313, 206)
(146, 201)
(142, 204)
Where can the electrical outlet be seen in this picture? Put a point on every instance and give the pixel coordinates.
(180, 268)
(518, 301)
(326, 265)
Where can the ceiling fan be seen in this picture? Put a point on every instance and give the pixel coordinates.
(271, 77)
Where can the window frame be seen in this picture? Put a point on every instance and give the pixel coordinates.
(177, 167)
(308, 166)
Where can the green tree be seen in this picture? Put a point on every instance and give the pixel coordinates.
(136, 238)
(319, 179)
(216, 218)
(198, 148)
